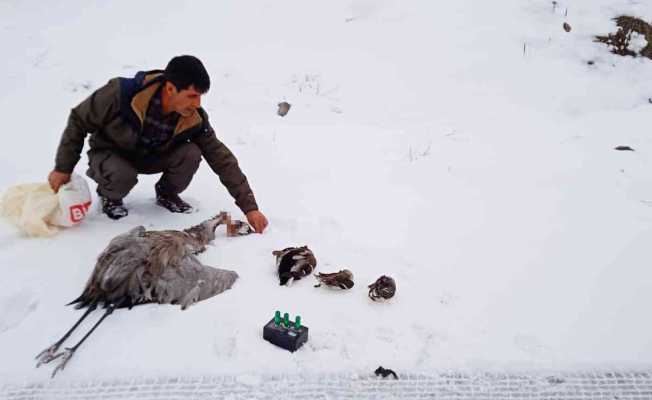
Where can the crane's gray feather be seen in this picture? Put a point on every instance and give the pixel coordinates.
(143, 266)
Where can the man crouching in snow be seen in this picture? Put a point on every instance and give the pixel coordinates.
(149, 124)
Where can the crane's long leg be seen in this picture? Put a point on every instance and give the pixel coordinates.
(69, 351)
(47, 355)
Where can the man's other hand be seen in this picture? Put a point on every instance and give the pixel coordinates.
(257, 220)
(56, 179)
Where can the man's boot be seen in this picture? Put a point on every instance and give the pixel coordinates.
(171, 201)
(114, 209)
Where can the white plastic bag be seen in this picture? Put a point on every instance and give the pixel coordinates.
(37, 210)
(74, 202)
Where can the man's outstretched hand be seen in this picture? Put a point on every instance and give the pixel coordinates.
(56, 179)
(257, 220)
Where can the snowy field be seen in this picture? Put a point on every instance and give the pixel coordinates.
(465, 148)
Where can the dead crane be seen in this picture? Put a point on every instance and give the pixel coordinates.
(143, 266)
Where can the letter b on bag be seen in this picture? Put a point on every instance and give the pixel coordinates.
(74, 201)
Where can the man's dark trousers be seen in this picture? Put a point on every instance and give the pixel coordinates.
(117, 174)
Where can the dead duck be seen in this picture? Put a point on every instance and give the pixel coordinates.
(383, 288)
(342, 279)
(293, 263)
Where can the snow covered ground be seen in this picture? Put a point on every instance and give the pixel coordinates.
(465, 148)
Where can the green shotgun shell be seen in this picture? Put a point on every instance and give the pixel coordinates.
(277, 317)
(286, 320)
(297, 322)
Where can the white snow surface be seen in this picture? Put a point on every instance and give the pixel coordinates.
(465, 148)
